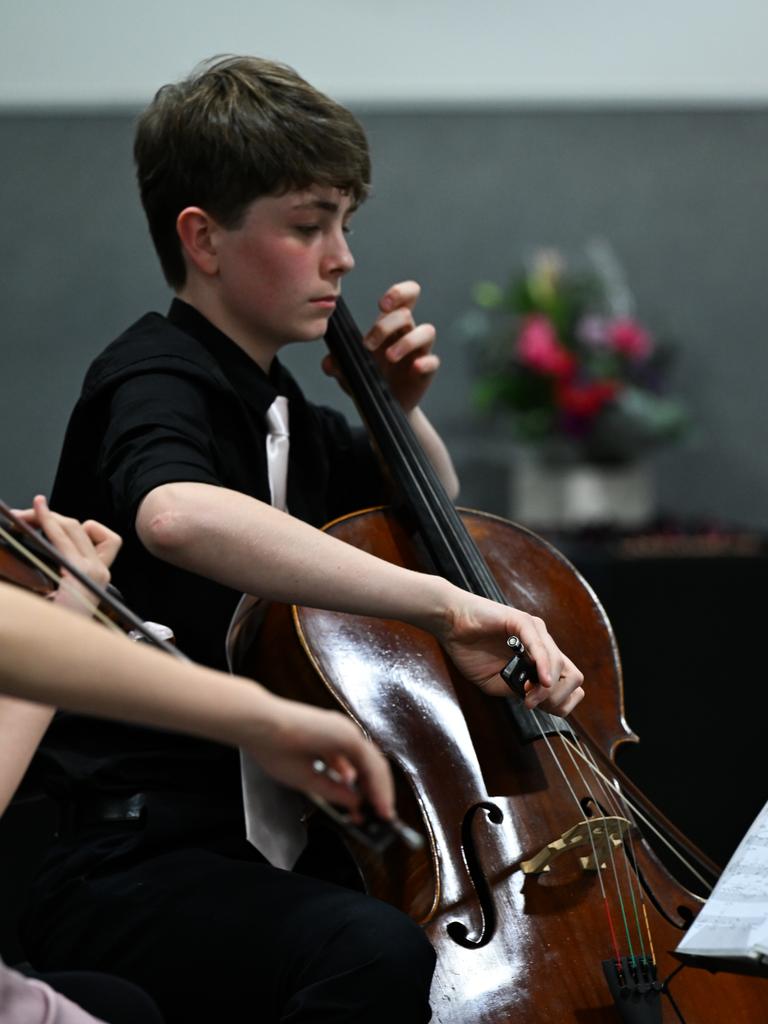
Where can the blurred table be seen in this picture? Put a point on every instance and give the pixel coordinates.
(688, 609)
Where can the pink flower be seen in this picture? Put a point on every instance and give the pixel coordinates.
(630, 339)
(539, 348)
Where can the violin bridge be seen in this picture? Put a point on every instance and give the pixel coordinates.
(599, 834)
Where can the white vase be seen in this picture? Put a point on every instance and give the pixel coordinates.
(573, 496)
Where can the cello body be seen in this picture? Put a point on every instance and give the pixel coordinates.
(514, 945)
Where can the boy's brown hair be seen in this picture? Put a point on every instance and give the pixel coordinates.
(238, 128)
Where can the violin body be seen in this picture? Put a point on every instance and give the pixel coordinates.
(513, 944)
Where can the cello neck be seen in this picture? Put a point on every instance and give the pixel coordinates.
(451, 549)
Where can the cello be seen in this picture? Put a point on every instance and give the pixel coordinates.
(537, 886)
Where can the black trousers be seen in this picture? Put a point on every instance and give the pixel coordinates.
(181, 905)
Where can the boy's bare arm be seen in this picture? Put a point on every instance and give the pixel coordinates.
(254, 548)
(436, 452)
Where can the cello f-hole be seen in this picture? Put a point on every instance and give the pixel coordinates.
(458, 931)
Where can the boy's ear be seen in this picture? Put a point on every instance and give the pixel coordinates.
(197, 233)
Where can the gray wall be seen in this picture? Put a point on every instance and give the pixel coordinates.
(459, 195)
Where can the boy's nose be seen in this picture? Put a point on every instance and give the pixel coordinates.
(340, 258)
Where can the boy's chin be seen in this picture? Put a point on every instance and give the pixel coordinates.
(315, 328)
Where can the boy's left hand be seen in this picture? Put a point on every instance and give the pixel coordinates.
(401, 347)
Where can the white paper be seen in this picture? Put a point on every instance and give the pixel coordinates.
(734, 920)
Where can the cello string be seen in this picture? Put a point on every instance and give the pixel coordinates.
(631, 878)
(595, 857)
(428, 486)
(629, 802)
(619, 802)
(606, 904)
(390, 418)
(383, 416)
(608, 844)
(646, 821)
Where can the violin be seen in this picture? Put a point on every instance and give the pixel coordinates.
(538, 886)
(29, 560)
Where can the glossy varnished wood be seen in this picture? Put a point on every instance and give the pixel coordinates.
(540, 938)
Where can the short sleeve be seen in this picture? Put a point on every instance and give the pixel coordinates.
(159, 431)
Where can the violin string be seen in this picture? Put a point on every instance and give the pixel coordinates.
(125, 618)
(61, 581)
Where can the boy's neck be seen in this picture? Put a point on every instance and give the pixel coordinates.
(261, 352)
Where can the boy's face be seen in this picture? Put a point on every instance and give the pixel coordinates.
(280, 272)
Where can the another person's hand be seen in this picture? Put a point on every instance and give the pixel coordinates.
(90, 547)
(290, 742)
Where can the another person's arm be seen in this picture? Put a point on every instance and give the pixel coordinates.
(91, 548)
(50, 655)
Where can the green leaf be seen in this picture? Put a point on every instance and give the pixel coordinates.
(488, 295)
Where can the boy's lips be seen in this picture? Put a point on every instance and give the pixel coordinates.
(326, 301)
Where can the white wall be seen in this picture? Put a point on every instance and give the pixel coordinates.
(95, 52)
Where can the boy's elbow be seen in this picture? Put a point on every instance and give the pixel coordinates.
(163, 525)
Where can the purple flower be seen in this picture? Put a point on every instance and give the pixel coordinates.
(593, 331)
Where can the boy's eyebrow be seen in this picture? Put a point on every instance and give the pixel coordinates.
(321, 204)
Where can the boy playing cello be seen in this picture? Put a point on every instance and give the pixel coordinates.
(249, 178)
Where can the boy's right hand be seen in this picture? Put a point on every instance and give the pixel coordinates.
(474, 632)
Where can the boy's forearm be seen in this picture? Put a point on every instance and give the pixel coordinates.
(254, 548)
(436, 451)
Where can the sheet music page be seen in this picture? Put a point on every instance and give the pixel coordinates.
(734, 920)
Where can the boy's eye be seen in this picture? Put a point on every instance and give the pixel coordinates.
(307, 229)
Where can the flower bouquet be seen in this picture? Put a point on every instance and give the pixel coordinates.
(561, 351)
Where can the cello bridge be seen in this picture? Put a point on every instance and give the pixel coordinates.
(601, 835)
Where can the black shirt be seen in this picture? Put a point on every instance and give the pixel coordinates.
(173, 399)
